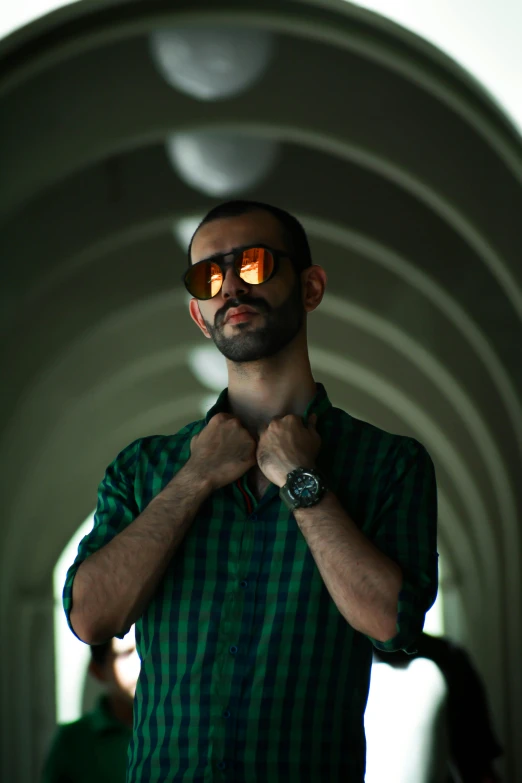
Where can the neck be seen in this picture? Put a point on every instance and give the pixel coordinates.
(278, 386)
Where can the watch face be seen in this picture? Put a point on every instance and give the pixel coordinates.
(305, 487)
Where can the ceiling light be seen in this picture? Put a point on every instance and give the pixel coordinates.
(211, 63)
(221, 164)
(184, 229)
(209, 367)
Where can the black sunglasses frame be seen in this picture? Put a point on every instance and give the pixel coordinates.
(219, 260)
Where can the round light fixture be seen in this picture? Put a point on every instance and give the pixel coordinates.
(211, 63)
(184, 229)
(221, 164)
(209, 366)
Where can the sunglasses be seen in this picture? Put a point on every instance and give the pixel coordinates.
(254, 265)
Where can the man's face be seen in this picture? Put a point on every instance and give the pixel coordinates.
(278, 303)
(122, 667)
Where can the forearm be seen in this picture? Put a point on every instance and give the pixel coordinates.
(363, 582)
(114, 585)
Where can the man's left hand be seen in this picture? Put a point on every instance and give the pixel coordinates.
(287, 444)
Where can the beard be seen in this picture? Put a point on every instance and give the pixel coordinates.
(250, 343)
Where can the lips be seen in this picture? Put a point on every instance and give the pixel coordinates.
(239, 311)
(237, 319)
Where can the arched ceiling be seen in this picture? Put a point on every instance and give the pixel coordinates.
(408, 180)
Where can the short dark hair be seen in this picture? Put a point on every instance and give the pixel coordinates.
(294, 233)
(100, 652)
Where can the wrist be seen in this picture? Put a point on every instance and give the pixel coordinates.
(197, 480)
(283, 477)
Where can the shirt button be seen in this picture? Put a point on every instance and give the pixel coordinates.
(233, 649)
(243, 583)
(226, 714)
(221, 765)
(253, 517)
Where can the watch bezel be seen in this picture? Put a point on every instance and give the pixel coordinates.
(298, 473)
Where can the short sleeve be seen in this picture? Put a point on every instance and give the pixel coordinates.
(406, 531)
(116, 509)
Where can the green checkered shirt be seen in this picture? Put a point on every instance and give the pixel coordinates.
(250, 674)
(92, 749)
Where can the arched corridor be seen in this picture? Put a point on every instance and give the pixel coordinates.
(407, 178)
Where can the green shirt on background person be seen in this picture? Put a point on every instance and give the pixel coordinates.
(248, 669)
(92, 749)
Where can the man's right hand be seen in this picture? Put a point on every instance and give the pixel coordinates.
(223, 451)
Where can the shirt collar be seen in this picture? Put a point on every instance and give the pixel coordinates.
(319, 405)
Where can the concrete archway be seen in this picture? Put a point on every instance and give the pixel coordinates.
(408, 180)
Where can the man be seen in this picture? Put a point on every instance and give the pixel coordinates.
(257, 591)
(94, 748)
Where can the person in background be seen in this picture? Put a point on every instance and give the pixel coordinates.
(472, 741)
(94, 748)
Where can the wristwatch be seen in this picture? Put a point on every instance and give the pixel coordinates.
(304, 488)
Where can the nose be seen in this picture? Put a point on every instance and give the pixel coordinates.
(233, 285)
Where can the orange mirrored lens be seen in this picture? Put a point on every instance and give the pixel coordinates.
(205, 280)
(254, 266)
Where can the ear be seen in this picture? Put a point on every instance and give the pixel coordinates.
(195, 314)
(314, 286)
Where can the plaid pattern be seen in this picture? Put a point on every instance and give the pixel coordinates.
(249, 671)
